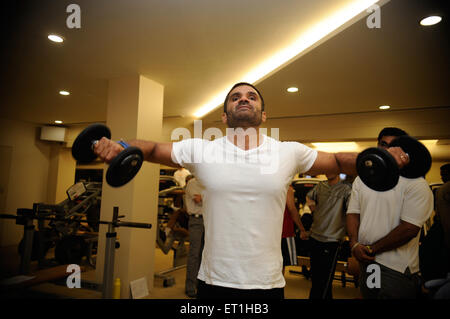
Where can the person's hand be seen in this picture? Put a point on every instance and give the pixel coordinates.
(304, 235)
(399, 155)
(107, 150)
(363, 254)
(198, 198)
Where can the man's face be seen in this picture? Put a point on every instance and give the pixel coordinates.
(385, 141)
(243, 108)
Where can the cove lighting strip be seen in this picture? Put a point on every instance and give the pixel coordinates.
(304, 41)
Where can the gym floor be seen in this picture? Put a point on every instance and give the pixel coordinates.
(297, 286)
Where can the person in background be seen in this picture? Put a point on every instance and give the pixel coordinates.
(180, 176)
(291, 217)
(328, 201)
(384, 229)
(443, 203)
(194, 206)
(175, 230)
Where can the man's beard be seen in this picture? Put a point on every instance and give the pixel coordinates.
(244, 119)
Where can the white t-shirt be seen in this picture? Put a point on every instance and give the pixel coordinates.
(243, 204)
(193, 188)
(411, 200)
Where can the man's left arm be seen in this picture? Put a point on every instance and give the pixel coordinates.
(334, 163)
(399, 236)
(345, 162)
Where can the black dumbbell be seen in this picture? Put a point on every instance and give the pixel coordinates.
(122, 168)
(378, 169)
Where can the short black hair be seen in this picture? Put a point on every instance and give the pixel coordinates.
(391, 131)
(240, 84)
(445, 172)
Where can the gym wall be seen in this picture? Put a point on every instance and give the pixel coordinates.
(24, 173)
(434, 175)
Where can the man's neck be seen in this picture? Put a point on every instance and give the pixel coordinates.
(245, 138)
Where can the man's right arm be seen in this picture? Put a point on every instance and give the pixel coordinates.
(352, 221)
(153, 152)
(359, 251)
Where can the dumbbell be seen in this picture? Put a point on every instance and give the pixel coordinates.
(378, 169)
(122, 168)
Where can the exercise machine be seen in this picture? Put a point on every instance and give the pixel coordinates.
(26, 218)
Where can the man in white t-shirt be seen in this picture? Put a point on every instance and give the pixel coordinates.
(384, 229)
(194, 207)
(245, 176)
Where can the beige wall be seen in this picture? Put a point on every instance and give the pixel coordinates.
(28, 173)
(61, 173)
(434, 175)
(32, 171)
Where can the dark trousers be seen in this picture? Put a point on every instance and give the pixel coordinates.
(322, 266)
(393, 284)
(196, 243)
(206, 291)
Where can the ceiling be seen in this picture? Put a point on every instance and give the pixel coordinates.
(199, 48)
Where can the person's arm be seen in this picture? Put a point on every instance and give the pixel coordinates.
(361, 252)
(172, 223)
(417, 206)
(173, 219)
(311, 198)
(334, 163)
(311, 204)
(153, 152)
(290, 202)
(345, 162)
(353, 215)
(397, 237)
(352, 223)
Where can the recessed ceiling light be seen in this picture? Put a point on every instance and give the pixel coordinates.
(55, 38)
(64, 93)
(431, 20)
(384, 107)
(58, 122)
(292, 89)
